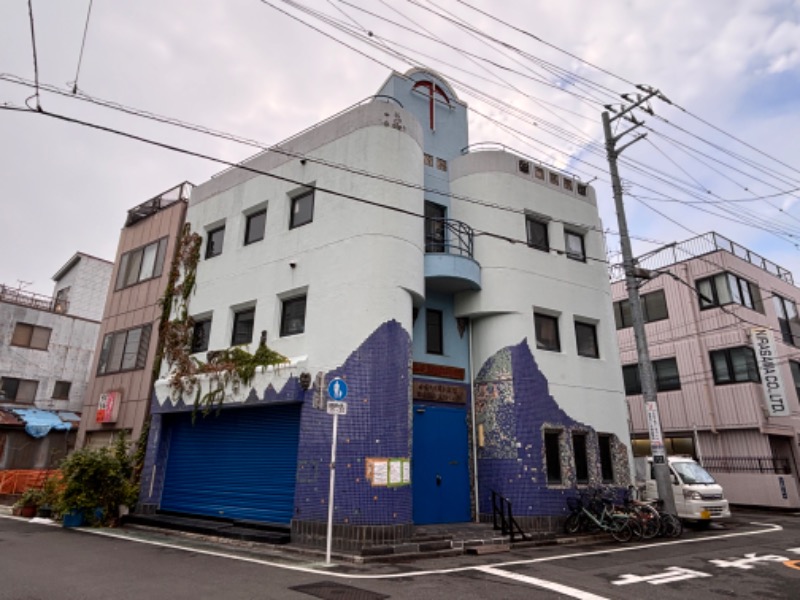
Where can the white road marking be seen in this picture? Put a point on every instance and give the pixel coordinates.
(306, 569)
(542, 583)
(670, 575)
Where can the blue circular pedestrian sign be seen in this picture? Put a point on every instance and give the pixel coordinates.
(337, 389)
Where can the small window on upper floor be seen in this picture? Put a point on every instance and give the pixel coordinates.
(428, 160)
(243, 326)
(654, 308)
(31, 336)
(21, 391)
(581, 189)
(524, 167)
(434, 332)
(734, 365)
(537, 234)
(727, 288)
(555, 179)
(538, 172)
(293, 316)
(214, 241)
(61, 390)
(255, 227)
(124, 350)
(786, 310)
(586, 339)
(441, 164)
(61, 304)
(302, 211)
(573, 242)
(568, 184)
(141, 264)
(201, 333)
(665, 372)
(546, 328)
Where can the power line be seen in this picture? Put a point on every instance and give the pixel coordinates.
(83, 44)
(35, 59)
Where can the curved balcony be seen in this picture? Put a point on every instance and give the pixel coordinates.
(449, 263)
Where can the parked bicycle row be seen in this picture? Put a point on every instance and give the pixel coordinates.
(625, 518)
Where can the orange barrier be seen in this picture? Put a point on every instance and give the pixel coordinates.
(17, 481)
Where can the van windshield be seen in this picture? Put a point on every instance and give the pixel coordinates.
(691, 473)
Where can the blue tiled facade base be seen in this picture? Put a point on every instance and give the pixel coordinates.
(513, 403)
(377, 425)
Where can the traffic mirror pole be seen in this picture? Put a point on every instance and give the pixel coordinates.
(660, 465)
(330, 492)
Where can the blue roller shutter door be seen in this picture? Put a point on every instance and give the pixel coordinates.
(240, 464)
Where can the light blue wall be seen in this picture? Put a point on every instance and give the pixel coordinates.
(456, 348)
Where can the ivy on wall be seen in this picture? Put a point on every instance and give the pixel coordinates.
(227, 370)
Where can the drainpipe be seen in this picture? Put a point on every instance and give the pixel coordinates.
(474, 430)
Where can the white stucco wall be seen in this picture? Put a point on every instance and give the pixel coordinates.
(518, 280)
(88, 280)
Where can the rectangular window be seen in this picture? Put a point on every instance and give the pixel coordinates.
(538, 172)
(606, 462)
(124, 350)
(293, 316)
(22, 391)
(61, 304)
(786, 310)
(654, 308)
(435, 227)
(581, 458)
(727, 288)
(255, 227)
(524, 167)
(552, 451)
(61, 390)
(666, 375)
(201, 332)
(586, 339)
(141, 264)
(547, 332)
(31, 336)
(573, 243)
(434, 337)
(243, 326)
(428, 159)
(302, 210)
(537, 234)
(555, 179)
(734, 365)
(214, 241)
(795, 368)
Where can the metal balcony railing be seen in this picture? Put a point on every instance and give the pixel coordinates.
(747, 464)
(448, 236)
(37, 301)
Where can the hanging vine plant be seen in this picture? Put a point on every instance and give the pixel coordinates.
(227, 370)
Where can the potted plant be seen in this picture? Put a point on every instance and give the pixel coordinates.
(29, 502)
(50, 497)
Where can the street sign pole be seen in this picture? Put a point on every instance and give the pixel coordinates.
(330, 492)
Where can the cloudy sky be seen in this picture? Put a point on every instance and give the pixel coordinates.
(723, 156)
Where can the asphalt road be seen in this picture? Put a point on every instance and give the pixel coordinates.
(756, 556)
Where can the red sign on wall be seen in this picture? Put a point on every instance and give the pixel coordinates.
(108, 407)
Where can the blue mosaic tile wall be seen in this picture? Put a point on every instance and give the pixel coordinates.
(513, 403)
(377, 425)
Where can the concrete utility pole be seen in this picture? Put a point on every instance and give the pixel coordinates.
(646, 375)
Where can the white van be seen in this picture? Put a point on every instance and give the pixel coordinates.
(697, 496)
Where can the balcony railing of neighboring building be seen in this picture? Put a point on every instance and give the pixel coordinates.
(37, 301)
(747, 464)
(162, 201)
(698, 246)
(448, 236)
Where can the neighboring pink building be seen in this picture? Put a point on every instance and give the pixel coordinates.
(121, 383)
(724, 337)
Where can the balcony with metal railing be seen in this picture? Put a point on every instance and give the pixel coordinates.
(449, 263)
(698, 246)
(38, 301)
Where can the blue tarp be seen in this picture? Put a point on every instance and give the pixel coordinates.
(38, 423)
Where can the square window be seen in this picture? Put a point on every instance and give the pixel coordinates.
(581, 189)
(568, 184)
(255, 226)
(586, 339)
(538, 172)
(22, 391)
(200, 335)
(573, 243)
(537, 234)
(31, 336)
(243, 326)
(214, 242)
(434, 338)
(441, 164)
(524, 167)
(554, 178)
(547, 332)
(293, 316)
(302, 210)
(552, 451)
(61, 390)
(734, 365)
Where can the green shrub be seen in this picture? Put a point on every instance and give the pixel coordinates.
(98, 479)
(30, 497)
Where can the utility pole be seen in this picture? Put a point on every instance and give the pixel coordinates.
(646, 375)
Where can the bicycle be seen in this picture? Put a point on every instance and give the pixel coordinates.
(599, 511)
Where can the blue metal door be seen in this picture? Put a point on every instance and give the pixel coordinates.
(439, 469)
(240, 464)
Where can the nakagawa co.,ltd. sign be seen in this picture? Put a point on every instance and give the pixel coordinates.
(767, 361)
